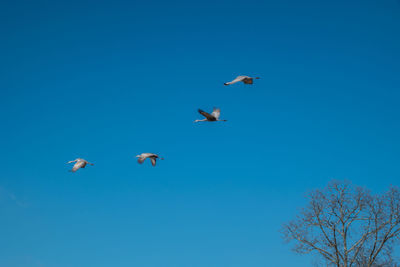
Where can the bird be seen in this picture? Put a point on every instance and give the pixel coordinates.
(242, 78)
(214, 116)
(80, 163)
(151, 156)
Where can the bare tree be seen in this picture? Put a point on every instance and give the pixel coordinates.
(348, 226)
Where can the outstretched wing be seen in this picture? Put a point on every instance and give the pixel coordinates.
(141, 160)
(78, 165)
(153, 161)
(237, 79)
(216, 112)
(207, 115)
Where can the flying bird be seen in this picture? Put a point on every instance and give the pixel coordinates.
(80, 163)
(244, 79)
(214, 116)
(151, 156)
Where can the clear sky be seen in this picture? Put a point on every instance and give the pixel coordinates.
(107, 80)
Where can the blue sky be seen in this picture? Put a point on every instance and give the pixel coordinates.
(107, 80)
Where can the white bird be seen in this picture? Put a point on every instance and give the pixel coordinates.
(151, 156)
(80, 163)
(214, 116)
(244, 79)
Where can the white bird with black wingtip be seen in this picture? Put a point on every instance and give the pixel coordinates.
(80, 163)
(242, 78)
(153, 157)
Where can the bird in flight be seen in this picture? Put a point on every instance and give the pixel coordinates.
(80, 163)
(244, 79)
(214, 116)
(151, 156)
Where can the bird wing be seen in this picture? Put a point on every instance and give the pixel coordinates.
(141, 160)
(78, 165)
(216, 112)
(207, 115)
(237, 79)
(153, 161)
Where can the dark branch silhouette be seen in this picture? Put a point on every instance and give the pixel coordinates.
(348, 226)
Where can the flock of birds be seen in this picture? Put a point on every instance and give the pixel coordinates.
(213, 116)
